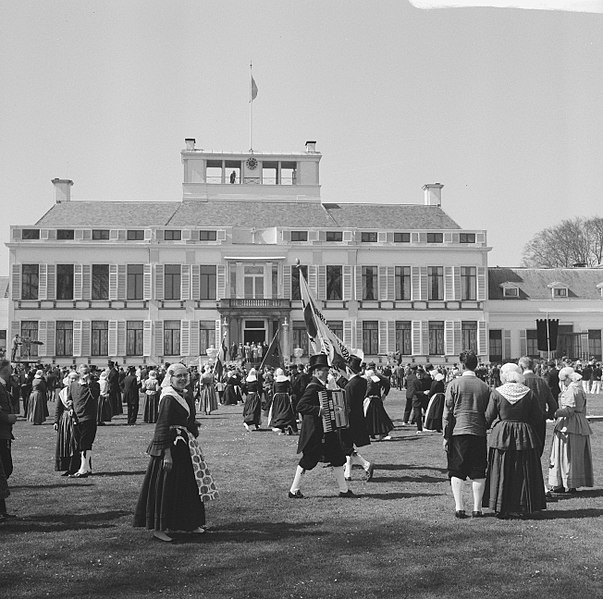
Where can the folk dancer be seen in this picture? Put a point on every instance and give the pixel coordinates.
(377, 419)
(67, 456)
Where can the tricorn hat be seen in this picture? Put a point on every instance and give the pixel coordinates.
(355, 364)
(318, 361)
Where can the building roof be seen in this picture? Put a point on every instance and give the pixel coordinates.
(253, 214)
(534, 283)
(4, 281)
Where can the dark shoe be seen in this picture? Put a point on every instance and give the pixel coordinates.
(460, 514)
(66, 473)
(348, 493)
(502, 516)
(348, 478)
(572, 491)
(475, 514)
(296, 495)
(557, 490)
(369, 472)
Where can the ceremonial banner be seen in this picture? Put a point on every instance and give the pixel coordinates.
(273, 356)
(219, 366)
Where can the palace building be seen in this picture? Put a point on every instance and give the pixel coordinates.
(159, 281)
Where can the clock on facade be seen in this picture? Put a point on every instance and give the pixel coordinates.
(252, 163)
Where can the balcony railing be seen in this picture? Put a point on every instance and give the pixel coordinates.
(254, 303)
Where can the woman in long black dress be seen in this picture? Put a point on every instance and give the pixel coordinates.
(283, 418)
(232, 391)
(67, 457)
(151, 393)
(177, 481)
(252, 412)
(37, 407)
(435, 407)
(377, 419)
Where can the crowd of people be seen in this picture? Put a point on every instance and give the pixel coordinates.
(464, 402)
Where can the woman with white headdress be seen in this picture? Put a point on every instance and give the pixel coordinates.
(37, 407)
(435, 407)
(152, 393)
(514, 483)
(105, 411)
(209, 400)
(67, 457)
(571, 457)
(177, 481)
(252, 411)
(282, 416)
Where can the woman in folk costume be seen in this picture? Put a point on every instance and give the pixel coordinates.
(571, 458)
(435, 407)
(282, 416)
(67, 457)
(232, 390)
(208, 400)
(105, 411)
(377, 419)
(37, 408)
(151, 393)
(314, 444)
(514, 483)
(177, 482)
(252, 412)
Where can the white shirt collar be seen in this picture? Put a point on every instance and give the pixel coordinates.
(468, 373)
(528, 371)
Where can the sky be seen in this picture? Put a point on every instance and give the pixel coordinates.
(502, 106)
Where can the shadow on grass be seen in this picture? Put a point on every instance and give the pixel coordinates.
(252, 532)
(408, 479)
(568, 514)
(408, 467)
(54, 486)
(63, 522)
(119, 473)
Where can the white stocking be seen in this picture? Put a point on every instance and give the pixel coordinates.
(340, 478)
(296, 486)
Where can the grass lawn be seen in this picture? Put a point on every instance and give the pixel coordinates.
(399, 538)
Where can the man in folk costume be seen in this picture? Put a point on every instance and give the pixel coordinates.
(316, 445)
(357, 434)
(84, 395)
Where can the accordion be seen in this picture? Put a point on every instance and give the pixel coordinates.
(335, 410)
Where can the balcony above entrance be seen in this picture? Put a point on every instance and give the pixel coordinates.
(256, 304)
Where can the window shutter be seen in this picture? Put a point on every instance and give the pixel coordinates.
(286, 236)
(391, 336)
(458, 338)
(221, 281)
(507, 344)
(121, 338)
(121, 282)
(147, 337)
(78, 284)
(221, 235)
(313, 236)
(196, 282)
(348, 236)
(382, 236)
(286, 281)
(185, 346)
(51, 281)
(347, 333)
(148, 234)
(186, 234)
(425, 336)
(147, 282)
(482, 338)
(43, 282)
(347, 283)
(523, 342)
(112, 285)
(86, 338)
(185, 283)
(456, 270)
(194, 338)
(382, 337)
(159, 235)
(417, 348)
(447, 237)
(358, 277)
(50, 338)
(113, 234)
(78, 234)
(391, 283)
(112, 338)
(77, 338)
(42, 349)
(15, 285)
(322, 236)
(382, 282)
(158, 334)
(414, 237)
(313, 279)
(358, 334)
(449, 337)
(159, 282)
(424, 282)
(480, 238)
(415, 283)
(322, 282)
(121, 234)
(448, 283)
(87, 234)
(481, 284)
(86, 281)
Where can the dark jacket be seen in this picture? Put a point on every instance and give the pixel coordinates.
(552, 380)
(548, 404)
(357, 434)
(6, 428)
(85, 399)
(131, 387)
(309, 407)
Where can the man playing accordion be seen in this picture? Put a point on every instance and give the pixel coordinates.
(315, 445)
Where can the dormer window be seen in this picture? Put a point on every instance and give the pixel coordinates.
(510, 289)
(558, 289)
(560, 292)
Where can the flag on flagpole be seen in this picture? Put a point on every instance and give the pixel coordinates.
(593, 6)
(254, 89)
(273, 356)
(322, 338)
(219, 366)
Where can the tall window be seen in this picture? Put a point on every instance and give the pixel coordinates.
(274, 280)
(29, 330)
(253, 281)
(134, 335)
(300, 336)
(207, 335)
(436, 338)
(468, 283)
(403, 337)
(402, 282)
(469, 335)
(495, 345)
(369, 282)
(435, 282)
(334, 283)
(171, 287)
(171, 337)
(64, 338)
(337, 327)
(65, 282)
(295, 288)
(135, 282)
(370, 337)
(30, 281)
(100, 283)
(594, 343)
(100, 338)
(532, 343)
(208, 282)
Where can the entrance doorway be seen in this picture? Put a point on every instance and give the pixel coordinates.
(254, 331)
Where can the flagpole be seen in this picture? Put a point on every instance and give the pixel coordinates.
(250, 106)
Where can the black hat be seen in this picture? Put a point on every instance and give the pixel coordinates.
(371, 365)
(355, 364)
(318, 361)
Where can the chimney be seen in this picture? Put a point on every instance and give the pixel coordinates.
(62, 190)
(433, 194)
(190, 144)
(310, 147)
